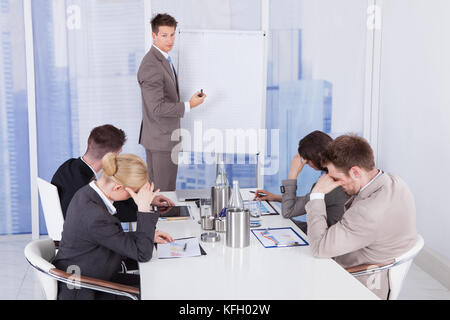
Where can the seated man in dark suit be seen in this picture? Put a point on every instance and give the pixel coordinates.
(75, 173)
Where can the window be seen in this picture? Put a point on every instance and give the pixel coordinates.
(86, 57)
(14, 155)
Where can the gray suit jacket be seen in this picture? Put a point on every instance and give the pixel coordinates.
(293, 206)
(379, 225)
(161, 106)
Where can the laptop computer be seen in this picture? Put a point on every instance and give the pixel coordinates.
(193, 194)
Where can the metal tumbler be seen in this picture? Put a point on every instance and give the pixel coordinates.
(238, 228)
(207, 222)
(219, 199)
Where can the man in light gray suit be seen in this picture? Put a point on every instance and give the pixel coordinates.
(161, 106)
(379, 222)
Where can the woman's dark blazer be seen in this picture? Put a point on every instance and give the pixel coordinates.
(94, 242)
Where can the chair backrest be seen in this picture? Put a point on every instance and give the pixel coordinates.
(54, 219)
(39, 253)
(398, 272)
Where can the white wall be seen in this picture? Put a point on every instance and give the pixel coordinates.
(414, 125)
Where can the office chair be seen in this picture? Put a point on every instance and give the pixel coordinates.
(54, 219)
(39, 253)
(398, 268)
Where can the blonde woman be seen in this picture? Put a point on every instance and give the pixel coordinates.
(93, 241)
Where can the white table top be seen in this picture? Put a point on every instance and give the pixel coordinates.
(251, 273)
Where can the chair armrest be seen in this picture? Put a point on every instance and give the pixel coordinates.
(370, 268)
(96, 282)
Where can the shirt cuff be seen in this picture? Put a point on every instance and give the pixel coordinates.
(187, 107)
(316, 196)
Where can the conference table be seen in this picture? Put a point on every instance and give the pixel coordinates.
(251, 273)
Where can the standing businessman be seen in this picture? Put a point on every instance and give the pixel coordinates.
(161, 106)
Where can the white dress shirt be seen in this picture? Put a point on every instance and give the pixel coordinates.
(378, 174)
(108, 203)
(95, 173)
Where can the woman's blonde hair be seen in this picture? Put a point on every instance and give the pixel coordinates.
(125, 169)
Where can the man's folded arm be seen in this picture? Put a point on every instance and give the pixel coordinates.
(355, 230)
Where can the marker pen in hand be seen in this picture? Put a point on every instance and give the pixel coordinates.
(201, 93)
(260, 193)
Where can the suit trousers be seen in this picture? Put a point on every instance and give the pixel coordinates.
(162, 171)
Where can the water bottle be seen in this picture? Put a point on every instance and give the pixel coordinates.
(220, 192)
(238, 220)
(236, 201)
(221, 176)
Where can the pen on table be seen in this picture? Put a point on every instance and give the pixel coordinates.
(174, 218)
(288, 244)
(184, 238)
(185, 246)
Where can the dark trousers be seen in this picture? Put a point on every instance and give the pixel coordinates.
(162, 171)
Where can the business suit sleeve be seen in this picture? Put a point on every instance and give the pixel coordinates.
(67, 184)
(152, 87)
(137, 246)
(356, 230)
(291, 205)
